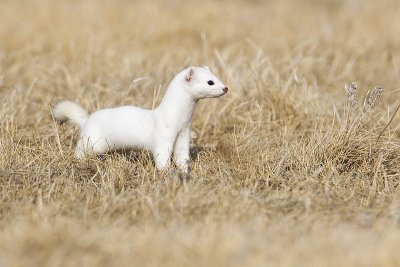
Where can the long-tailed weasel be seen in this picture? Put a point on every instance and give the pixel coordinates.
(163, 130)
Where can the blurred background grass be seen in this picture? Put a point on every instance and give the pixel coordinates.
(284, 174)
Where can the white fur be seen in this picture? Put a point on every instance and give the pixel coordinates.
(68, 110)
(163, 131)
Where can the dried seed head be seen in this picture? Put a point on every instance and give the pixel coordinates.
(351, 92)
(372, 97)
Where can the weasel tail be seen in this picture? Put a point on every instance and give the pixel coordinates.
(67, 110)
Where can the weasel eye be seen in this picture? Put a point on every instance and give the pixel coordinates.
(210, 82)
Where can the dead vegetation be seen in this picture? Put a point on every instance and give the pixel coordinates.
(288, 168)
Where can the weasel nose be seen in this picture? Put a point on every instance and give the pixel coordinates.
(225, 89)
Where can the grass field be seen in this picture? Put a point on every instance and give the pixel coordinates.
(288, 170)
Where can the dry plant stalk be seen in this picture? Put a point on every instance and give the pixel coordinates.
(356, 119)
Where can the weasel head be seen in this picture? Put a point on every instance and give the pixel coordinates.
(202, 83)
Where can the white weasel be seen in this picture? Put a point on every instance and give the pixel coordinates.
(163, 130)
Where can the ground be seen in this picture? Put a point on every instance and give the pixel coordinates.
(287, 168)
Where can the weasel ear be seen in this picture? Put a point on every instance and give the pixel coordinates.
(189, 75)
(206, 67)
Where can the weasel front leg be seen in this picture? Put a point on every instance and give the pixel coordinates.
(181, 150)
(162, 155)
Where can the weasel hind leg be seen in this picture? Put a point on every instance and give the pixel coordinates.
(86, 147)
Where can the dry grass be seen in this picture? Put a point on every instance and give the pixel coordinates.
(287, 170)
